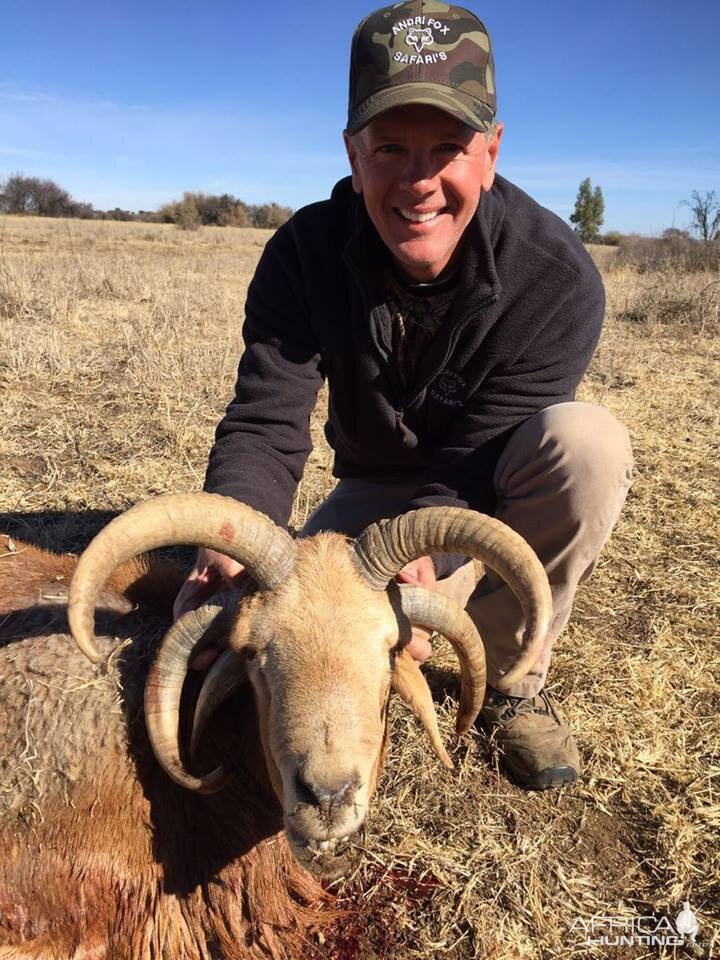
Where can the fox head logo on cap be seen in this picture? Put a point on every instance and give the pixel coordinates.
(419, 38)
(404, 54)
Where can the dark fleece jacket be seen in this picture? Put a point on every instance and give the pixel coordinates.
(524, 325)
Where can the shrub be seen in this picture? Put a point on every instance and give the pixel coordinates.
(269, 216)
(207, 209)
(651, 254)
(187, 215)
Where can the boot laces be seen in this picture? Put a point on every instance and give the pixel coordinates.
(516, 706)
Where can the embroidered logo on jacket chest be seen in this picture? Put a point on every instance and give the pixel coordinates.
(448, 388)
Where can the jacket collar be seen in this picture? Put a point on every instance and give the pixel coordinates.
(365, 254)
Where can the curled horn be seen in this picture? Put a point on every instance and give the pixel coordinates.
(199, 519)
(163, 687)
(384, 548)
(436, 612)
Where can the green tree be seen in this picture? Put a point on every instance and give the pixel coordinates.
(589, 213)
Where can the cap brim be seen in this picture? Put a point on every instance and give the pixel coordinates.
(470, 110)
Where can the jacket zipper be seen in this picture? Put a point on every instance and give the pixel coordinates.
(407, 401)
(377, 341)
(411, 398)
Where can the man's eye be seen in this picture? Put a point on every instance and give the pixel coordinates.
(450, 147)
(388, 148)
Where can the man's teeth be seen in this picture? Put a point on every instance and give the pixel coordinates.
(420, 217)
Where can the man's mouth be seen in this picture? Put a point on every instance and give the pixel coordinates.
(416, 216)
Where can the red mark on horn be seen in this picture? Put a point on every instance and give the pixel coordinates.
(227, 531)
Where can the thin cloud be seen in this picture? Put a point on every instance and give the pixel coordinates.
(624, 175)
(43, 97)
(22, 97)
(27, 153)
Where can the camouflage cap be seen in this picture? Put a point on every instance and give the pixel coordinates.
(422, 51)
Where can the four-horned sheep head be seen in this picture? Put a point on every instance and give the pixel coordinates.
(321, 641)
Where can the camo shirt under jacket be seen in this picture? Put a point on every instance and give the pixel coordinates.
(523, 327)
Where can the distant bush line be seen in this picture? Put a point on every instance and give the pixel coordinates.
(675, 249)
(45, 198)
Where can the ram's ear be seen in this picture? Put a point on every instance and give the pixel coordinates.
(409, 683)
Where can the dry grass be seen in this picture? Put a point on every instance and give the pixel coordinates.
(119, 347)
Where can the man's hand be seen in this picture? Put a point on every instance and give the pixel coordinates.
(422, 572)
(213, 572)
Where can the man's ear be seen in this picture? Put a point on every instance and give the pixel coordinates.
(491, 158)
(352, 157)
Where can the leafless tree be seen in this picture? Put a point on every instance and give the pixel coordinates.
(706, 214)
(44, 198)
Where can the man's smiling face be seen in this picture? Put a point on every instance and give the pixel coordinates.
(421, 172)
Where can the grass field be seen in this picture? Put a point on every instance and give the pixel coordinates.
(119, 343)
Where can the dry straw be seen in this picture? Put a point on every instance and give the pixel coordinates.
(119, 348)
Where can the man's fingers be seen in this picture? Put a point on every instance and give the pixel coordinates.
(212, 574)
(420, 648)
(205, 659)
(421, 570)
(407, 576)
(235, 580)
(196, 590)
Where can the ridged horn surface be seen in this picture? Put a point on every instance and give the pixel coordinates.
(198, 519)
(384, 548)
(164, 684)
(436, 612)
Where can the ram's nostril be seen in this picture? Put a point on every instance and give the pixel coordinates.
(329, 799)
(304, 790)
(325, 796)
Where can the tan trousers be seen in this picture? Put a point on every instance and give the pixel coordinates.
(560, 482)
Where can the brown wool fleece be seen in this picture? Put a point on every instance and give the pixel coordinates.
(100, 853)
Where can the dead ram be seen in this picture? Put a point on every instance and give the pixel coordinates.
(116, 840)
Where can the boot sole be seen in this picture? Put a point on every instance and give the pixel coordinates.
(550, 779)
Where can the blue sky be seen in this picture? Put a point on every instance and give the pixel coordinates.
(128, 104)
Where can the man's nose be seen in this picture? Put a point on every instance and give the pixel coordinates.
(418, 174)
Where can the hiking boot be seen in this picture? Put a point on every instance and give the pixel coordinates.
(537, 749)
